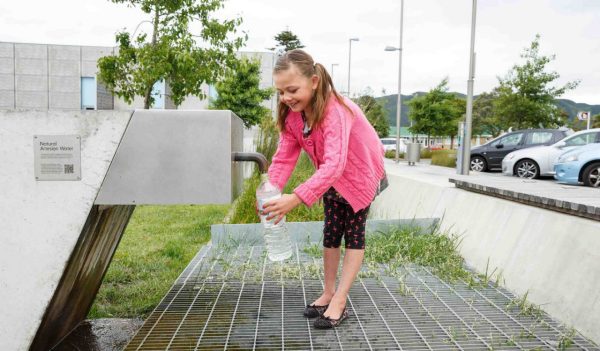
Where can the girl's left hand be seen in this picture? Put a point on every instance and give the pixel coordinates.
(280, 207)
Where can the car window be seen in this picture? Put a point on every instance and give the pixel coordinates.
(509, 140)
(538, 138)
(581, 139)
(389, 142)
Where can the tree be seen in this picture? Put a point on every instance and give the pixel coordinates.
(596, 121)
(375, 113)
(525, 97)
(286, 41)
(436, 113)
(172, 53)
(239, 92)
(484, 119)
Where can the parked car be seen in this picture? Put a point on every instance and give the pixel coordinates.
(539, 161)
(489, 155)
(389, 144)
(581, 165)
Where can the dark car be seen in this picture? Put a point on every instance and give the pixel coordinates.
(489, 155)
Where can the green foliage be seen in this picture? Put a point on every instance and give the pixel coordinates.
(375, 113)
(267, 138)
(239, 91)
(484, 119)
(245, 208)
(426, 153)
(437, 112)
(392, 154)
(578, 125)
(286, 41)
(525, 97)
(171, 54)
(157, 245)
(445, 158)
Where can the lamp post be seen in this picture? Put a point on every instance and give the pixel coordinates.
(399, 100)
(333, 65)
(466, 144)
(350, 60)
(137, 27)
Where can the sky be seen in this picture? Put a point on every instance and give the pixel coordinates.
(436, 36)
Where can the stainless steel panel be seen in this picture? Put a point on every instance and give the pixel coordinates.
(175, 157)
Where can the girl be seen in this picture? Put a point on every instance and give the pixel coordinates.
(348, 156)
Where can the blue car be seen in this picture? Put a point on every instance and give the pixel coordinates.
(581, 165)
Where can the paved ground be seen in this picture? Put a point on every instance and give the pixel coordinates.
(546, 193)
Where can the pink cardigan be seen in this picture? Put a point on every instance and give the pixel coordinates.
(345, 149)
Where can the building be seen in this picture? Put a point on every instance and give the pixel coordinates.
(44, 76)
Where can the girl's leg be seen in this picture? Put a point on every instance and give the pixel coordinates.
(352, 262)
(354, 238)
(331, 261)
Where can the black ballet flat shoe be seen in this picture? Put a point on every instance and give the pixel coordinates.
(312, 311)
(326, 323)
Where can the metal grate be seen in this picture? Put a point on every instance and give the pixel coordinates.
(232, 297)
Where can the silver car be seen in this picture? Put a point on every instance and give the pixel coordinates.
(539, 161)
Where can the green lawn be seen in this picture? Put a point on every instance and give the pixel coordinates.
(157, 245)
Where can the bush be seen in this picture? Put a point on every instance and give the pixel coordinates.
(392, 154)
(445, 158)
(425, 153)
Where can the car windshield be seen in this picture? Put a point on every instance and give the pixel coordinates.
(581, 139)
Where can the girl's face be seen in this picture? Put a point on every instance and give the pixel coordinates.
(295, 89)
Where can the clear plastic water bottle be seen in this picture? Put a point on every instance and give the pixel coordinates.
(277, 237)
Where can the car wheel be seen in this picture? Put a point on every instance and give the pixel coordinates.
(478, 164)
(591, 175)
(527, 169)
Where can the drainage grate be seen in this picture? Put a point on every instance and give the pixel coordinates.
(234, 298)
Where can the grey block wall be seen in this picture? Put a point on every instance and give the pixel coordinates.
(7, 77)
(48, 77)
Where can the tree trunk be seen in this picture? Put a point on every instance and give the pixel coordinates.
(451, 142)
(154, 39)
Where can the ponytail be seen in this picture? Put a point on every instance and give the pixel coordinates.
(325, 89)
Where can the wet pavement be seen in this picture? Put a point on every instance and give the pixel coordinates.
(107, 334)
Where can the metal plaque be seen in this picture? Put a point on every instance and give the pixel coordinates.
(57, 157)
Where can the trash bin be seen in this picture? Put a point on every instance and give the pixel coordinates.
(413, 153)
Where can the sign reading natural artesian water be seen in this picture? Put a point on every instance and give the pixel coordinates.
(57, 157)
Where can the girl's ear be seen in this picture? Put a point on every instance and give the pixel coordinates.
(314, 81)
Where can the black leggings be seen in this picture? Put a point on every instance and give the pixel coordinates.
(341, 220)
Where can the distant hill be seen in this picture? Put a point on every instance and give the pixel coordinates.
(390, 101)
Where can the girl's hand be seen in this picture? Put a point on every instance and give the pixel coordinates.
(279, 208)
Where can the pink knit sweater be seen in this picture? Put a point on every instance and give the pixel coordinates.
(345, 149)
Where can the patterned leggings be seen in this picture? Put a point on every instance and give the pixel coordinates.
(340, 220)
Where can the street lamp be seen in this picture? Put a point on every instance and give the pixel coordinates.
(399, 100)
(333, 65)
(350, 60)
(137, 27)
(466, 144)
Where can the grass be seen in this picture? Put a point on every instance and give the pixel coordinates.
(245, 211)
(157, 245)
(445, 158)
(397, 247)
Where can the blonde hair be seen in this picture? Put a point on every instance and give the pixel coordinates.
(307, 67)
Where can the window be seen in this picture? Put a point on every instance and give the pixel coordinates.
(88, 93)
(581, 139)
(158, 93)
(538, 138)
(509, 140)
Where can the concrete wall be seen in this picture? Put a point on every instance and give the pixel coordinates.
(40, 76)
(42, 220)
(552, 256)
